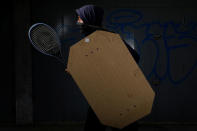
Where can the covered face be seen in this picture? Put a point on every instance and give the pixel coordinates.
(91, 15)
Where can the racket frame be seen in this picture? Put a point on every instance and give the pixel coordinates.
(56, 37)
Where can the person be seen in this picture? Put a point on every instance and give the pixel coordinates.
(89, 18)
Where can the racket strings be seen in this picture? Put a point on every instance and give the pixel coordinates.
(45, 40)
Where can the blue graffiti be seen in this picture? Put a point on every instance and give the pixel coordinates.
(120, 19)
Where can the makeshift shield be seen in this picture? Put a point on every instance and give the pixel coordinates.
(110, 79)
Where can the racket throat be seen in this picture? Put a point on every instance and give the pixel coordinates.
(59, 56)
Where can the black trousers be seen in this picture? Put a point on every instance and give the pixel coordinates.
(93, 124)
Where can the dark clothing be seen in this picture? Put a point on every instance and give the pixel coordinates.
(92, 18)
(133, 53)
(93, 124)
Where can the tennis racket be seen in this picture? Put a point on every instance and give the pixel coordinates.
(45, 40)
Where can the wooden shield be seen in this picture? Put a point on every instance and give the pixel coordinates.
(110, 79)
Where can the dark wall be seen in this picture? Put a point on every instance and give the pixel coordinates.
(163, 32)
(150, 26)
(7, 90)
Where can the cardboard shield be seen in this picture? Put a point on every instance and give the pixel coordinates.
(110, 79)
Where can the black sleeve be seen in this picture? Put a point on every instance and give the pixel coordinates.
(133, 53)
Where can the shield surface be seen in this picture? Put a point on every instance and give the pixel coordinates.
(110, 79)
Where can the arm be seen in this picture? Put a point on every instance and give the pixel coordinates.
(133, 52)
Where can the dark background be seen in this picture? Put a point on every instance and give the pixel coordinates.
(35, 88)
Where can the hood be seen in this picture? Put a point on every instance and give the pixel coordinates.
(91, 14)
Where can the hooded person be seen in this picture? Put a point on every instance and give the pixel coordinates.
(89, 18)
(91, 15)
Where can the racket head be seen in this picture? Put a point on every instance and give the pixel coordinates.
(45, 39)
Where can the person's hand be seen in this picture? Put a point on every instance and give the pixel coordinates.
(67, 70)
